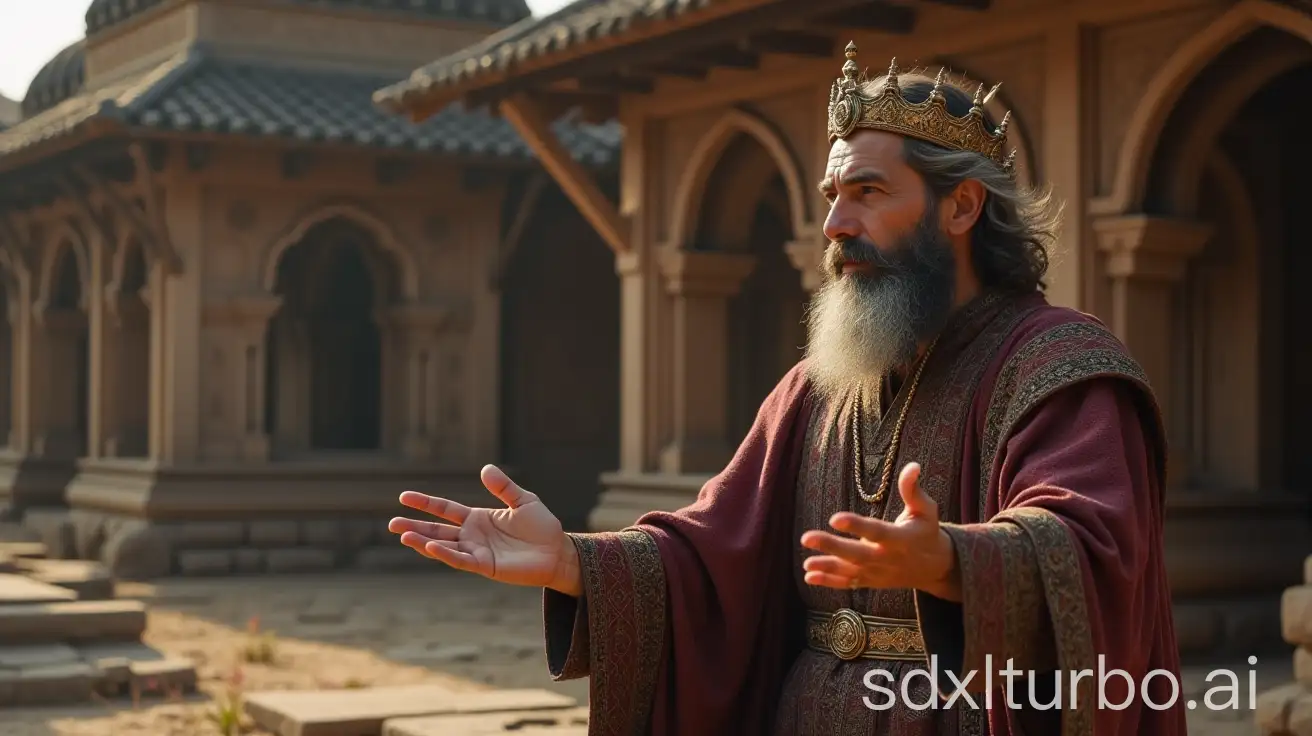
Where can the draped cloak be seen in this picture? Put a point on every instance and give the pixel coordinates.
(1041, 442)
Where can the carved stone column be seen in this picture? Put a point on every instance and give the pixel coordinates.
(1147, 258)
(415, 332)
(807, 255)
(702, 283)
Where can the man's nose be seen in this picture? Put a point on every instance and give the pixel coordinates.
(841, 227)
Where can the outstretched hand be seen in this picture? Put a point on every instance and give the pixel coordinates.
(521, 544)
(912, 552)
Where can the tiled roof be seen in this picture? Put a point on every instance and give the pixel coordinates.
(103, 14)
(196, 93)
(577, 23)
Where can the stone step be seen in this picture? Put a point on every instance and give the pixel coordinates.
(72, 622)
(90, 580)
(50, 684)
(11, 531)
(361, 712)
(16, 589)
(23, 549)
(47, 674)
(554, 722)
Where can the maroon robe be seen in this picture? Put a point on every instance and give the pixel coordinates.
(1039, 439)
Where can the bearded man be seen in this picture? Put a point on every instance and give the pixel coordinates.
(1022, 533)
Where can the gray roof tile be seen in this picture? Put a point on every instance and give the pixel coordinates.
(577, 23)
(196, 93)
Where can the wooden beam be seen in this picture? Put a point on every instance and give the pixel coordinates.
(82, 203)
(620, 83)
(155, 219)
(963, 4)
(879, 17)
(682, 69)
(579, 186)
(505, 251)
(18, 247)
(731, 57)
(791, 43)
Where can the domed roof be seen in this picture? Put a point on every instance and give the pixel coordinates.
(61, 78)
(105, 13)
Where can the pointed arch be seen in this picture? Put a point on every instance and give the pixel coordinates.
(68, 237)
(1139, 143)
(706, 154)
(407, 267)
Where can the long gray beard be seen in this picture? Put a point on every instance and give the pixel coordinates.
(859, 330)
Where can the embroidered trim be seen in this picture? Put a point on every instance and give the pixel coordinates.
(1053, 360)
(624, 585)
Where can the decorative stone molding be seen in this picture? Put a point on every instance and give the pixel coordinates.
(808, 256)
(1148, 247)
(705, 273)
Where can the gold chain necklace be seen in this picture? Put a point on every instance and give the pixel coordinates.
(890, 457)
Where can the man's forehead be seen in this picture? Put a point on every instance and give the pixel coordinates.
(865, 149)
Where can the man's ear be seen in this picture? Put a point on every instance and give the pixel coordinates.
(963, 207)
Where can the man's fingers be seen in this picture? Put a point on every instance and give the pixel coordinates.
(440, 550)
(430, 529)
(854, 550)
(500, 485)
(871, 530)
(917, 502)
(828, 580)
(832, 565)
(439, 507)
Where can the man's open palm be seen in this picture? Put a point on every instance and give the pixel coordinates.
(520, 544)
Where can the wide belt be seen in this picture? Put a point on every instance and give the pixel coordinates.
(849, 635)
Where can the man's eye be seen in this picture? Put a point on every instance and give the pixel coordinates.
(869, 190)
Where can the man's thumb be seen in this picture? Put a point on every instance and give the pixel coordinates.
(915, 500)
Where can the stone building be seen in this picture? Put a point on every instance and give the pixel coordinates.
(1171, 128)
(245, 307)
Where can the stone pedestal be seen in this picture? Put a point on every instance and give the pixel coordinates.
(1287, 710)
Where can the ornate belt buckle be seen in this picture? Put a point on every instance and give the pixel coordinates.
(847, 634)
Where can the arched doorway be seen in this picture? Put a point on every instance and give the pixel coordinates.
(1231, 153)
(324, 347)
(65, 371)
(745, 209)
(129, 345)
(560, 352)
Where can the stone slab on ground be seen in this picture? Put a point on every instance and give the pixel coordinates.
(1276, 707)
(90, 580)
(47, 684)
(73, 622)
(23, 549)
(12, 531)
(129, 666)
(361, 712)
(554, 722)
(19, 589)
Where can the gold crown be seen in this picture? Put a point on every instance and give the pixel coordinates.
(887, 110)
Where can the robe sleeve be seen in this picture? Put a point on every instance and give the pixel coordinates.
(1069, 567)
(670, 627)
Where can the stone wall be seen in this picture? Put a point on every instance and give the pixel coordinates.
(1287, 710)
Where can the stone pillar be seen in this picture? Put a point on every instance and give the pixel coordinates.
(59, 334)
(291, 411)
(1147, 258)
(1287, 710)
(807, 256)
(246, 321)
(20, 373)
(702, 283)
(414, 332)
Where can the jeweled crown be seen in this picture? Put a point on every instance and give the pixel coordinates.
(850, 108)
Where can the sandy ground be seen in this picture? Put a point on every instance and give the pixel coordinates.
(338, 631)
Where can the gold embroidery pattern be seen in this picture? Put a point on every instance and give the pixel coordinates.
(1055, 359)
(624, 586)
(849, 635)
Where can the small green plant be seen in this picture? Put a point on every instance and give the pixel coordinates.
(261, 646)
(227, 715)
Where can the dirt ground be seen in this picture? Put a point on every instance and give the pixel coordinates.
(326, 631)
